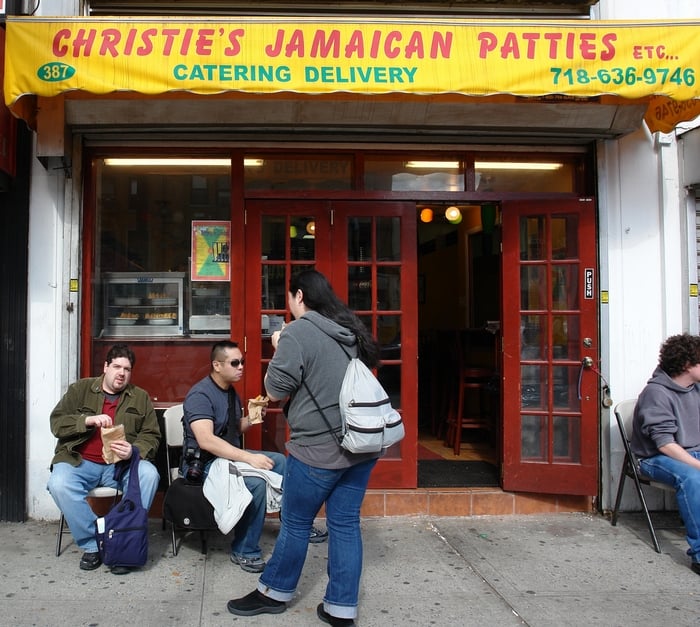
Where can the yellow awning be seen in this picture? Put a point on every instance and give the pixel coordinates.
(633, 60)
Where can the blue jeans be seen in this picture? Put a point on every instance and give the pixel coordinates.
(69, 485)
(247, 532)
(306, 488)
(686, 480)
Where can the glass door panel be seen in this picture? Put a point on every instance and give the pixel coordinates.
(282, 235)
(375, 281)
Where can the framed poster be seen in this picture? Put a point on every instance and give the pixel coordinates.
(211, 245)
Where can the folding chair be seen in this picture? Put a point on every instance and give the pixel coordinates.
(101, 492)
(202, 516)
(624, 413)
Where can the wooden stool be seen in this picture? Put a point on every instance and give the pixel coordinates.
(472, 391)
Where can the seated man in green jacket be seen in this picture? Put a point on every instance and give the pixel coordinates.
(78, 465)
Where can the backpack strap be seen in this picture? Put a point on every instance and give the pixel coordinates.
(133, 491)
(320, 411)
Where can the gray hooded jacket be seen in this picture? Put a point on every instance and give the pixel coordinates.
(666, 412)
(311, 345)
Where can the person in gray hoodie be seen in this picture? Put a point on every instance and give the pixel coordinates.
(666, 430)
(311, 356)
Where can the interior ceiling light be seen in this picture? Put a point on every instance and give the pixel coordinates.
(433, 165)
(515, 165)
(177, 162)
(426, 215)
(453, 215)
(311, 227)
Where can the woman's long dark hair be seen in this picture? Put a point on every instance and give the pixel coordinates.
(320, 297)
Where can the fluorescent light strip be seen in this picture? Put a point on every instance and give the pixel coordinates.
(484, 165)
(177, 162)
(515, 165)
(433, 165)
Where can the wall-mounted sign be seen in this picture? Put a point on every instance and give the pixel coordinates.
(49, 56)
(588, 283)
(211, 250)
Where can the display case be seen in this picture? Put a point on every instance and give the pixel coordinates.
(209, 307)
(143, 304)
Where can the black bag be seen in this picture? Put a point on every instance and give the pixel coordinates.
(122, 534)
(186, 506)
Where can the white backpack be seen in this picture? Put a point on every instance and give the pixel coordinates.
(369, 422)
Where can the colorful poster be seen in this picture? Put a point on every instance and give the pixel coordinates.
(211, 246)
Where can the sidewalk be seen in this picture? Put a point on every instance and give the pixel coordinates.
(538, 570)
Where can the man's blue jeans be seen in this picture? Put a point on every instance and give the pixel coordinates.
(247, 532)
(69, 485)
(306, 488)
(686, 480)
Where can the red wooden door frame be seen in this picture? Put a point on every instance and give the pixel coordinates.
(577, 475)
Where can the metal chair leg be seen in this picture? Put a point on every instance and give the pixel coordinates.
(172, 531)
(618, 499)
(650, 525)
(59, 535)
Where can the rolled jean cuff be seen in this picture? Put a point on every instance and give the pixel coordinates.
(276, 595)
(340, 611)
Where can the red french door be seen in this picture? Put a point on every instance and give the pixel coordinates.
(368, 252)
(550, 340)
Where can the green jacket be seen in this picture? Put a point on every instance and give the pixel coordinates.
(84, 398)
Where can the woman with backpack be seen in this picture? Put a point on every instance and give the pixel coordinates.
(310, 360)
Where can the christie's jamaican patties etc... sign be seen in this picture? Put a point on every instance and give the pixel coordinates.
(262, 55)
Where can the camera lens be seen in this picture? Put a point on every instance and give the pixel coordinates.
(195, 471)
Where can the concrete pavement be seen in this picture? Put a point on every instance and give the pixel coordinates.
(537, 570)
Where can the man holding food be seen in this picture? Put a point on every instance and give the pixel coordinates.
(213, 424)
(97, 423)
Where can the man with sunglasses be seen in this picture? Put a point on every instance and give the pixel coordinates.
(213, 425)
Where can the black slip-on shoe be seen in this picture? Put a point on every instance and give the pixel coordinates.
(255, 603)
(695, 567)
(317, 536)
(333, 620)
(90, 560)
(120, 570)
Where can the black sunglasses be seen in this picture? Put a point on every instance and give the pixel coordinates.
(235, 362)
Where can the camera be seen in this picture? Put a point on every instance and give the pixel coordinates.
(195, 465)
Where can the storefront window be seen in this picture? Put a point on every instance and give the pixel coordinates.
(444, 175)
(523, 175)
(162, 237)
(298, 172)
